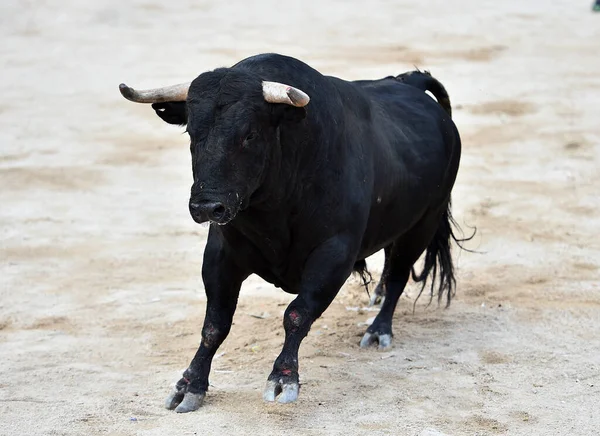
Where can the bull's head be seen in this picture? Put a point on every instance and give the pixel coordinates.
(233, 119)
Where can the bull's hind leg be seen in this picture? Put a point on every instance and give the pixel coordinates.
(405, 251)
(395, 281)
(379, 293)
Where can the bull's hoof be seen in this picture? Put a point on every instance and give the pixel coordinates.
(383, 340)
(283, 389)
(378, 295)
(174, 398)
(190, 402)
(376, 299)
(184, 402)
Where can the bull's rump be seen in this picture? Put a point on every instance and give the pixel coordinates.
(414, 155)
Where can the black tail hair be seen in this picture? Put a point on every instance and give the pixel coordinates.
(438, 260)
(424, 81)
(360, 268)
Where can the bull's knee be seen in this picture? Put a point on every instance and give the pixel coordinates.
(293, 320)
(212, 335)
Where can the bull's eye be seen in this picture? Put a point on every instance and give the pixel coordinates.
(249, 138)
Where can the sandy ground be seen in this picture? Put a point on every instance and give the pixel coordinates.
(101, 300)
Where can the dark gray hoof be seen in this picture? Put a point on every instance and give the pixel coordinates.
(384, 341)
(174, 398)
(190, 402)
(183, 402)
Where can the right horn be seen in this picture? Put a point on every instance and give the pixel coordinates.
(158, 95)
(274, 92)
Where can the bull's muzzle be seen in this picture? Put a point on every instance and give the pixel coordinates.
(208, 210)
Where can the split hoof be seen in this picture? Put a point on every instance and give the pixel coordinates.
(183, 402)
(190, 402)
(384, 341)
(284, 392)
(174, 398)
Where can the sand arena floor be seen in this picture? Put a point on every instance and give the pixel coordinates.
(101, 300)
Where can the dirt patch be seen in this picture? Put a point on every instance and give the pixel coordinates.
(399, 54)
(480, 54)
(51, 323)
(514, 108)
(43, 178)
(483, 424)
(494, 358)
(4, 324)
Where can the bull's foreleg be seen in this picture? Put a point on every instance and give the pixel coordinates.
(222, 281)
(325, 272)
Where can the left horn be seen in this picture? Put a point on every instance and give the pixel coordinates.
(158, 95)
(279, 93)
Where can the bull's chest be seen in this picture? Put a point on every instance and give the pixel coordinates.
(271, 255)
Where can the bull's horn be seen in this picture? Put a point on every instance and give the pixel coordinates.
(279, 93)
(158, 95)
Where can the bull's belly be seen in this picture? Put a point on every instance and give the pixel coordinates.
(383, 228)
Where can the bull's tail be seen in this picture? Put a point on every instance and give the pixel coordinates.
(426, 82)
(360, 268)
(438, 260)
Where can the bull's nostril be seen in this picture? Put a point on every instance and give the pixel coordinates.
(205, 210)
(218, 212)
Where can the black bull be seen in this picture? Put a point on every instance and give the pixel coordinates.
(305, 192)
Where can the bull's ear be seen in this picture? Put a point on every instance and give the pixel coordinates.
(285, 113)
(172, 112)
